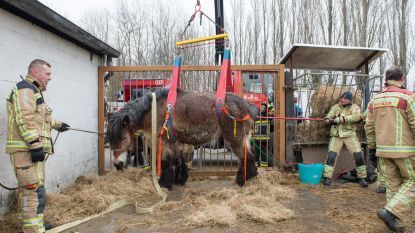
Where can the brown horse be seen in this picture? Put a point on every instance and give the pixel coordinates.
(195, 122)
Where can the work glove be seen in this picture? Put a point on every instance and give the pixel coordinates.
(327, 120)
(38, 155)
(338, 120)
(372, 152)
(63, 127)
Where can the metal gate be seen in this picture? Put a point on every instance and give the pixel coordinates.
(120, 84)
(313, 96)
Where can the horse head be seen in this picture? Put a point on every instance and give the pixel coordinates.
(120, 131)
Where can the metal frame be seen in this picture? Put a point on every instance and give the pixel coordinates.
(279, 94)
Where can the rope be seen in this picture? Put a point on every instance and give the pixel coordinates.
(245, 156)
(7, 81)
(293, 118)
(87, 131)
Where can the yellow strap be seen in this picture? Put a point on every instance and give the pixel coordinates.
(234, 128)
(167, 131)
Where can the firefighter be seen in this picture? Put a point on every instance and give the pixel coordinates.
(390, 125)
(29, 141)
(373, 161)
(343, 118)
(373, 174)
(261, 136)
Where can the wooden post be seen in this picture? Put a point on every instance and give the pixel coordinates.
(281, 92)
(154, 135)
(101, 140)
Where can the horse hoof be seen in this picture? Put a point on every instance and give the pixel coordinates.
(119, 165)
(165, 185)
(241, 182)
(181, 181)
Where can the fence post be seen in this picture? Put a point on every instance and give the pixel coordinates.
(101, 140)
(281, 123)
(289, 112)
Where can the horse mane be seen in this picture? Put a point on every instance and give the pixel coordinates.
(133, 111)
(232, 98)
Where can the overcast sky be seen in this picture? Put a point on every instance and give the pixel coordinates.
(74, 9)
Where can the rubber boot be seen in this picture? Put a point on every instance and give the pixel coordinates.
(327, 181)
(362, 182)
(390, 220)
(47, 226)
(381, 189)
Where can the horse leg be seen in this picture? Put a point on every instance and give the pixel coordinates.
(239, 148)
(167, 174)
(181, 171)
(252, 170)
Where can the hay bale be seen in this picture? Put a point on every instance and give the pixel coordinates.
(260, 200)
(312, 131)
(320, 103)
(326, 96)
(213, 216)
(260, 209)
(92, 195)
(9, 223)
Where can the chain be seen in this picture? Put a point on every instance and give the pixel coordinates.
(198, 8)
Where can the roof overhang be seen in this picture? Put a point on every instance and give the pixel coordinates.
(39, 14)
(321, 57)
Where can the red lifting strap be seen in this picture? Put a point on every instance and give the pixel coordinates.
(171, 102)
(224, 74)
(175, 82)
(172, 96)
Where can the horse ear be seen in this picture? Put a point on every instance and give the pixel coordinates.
(109, 115)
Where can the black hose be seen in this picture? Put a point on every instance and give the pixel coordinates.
(5, 187)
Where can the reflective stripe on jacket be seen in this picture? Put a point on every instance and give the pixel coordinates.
(261, 130)
(351, 116)
(390, 122)
(29, 118)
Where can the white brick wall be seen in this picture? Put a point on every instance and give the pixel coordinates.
(72, 94)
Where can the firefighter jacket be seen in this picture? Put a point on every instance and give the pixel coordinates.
(350, 116)
(390, 122)
(261, 129)
(29, 118)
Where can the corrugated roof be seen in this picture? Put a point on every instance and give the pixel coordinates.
(39, 14)
(319, 57)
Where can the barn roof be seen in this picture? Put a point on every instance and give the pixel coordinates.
(322, 57)
(39, 14)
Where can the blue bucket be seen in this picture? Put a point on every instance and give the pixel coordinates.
(310, 173)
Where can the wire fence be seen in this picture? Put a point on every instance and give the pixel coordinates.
(316, 93)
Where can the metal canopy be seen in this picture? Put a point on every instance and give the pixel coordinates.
(321, 57)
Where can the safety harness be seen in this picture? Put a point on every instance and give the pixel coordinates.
(220, 106)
